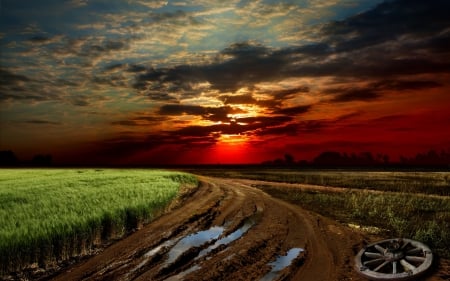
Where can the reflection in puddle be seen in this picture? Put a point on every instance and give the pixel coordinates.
(148, 255)
(228, 239)
(281, 263)
(194, 240)
(223, 241)
(152, 252)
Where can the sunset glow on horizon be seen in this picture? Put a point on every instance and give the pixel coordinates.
(222, 82)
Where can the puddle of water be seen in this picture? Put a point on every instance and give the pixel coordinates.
(228, 239)
(194, 240)
(148, 255)
(281, 263)
(152, 252)
(223, 241)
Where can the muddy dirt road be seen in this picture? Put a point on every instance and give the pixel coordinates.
(228, 230)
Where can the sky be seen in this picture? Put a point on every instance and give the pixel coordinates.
(220, 82)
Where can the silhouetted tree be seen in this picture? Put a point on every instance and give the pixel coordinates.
(278, 162)
(431, 158)
(289, 159)
(8, 158)
(366, 158)
(328, 158)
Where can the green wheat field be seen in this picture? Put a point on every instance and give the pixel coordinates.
(48, 215)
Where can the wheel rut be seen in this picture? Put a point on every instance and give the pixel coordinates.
(228, 230)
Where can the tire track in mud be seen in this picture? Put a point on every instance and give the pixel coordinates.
(228, 230)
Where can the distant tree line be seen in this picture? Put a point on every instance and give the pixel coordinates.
(431, 158)
(9, 159)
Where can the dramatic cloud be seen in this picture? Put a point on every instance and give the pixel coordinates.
(133, 80)
(295, 110)
(210, 113)
(389, 21)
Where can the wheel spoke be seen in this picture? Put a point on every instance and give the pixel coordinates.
(414, 251)
(380, 249)
(373, 255)
(373, 262)
(404, 245)
(381, 266)
(415, 259)
(393, 259)
(407, 266)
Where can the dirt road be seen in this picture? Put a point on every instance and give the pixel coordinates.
(228, 230)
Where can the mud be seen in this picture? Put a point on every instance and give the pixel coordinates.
(228, 230)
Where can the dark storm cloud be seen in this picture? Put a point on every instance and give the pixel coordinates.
(356, 95)
(209, 113)
(437, 44)
(79, 102)
(239, 99)
(4, 96)
(92, 49)
(115, 80)
(394, 38)
(161, 96)
(178, 17)
(135, 68)
(274, 103)
(376, 89)
(350, 65)
(313, 50)
(115, 66)
(288, 93)
(265, 120)
(295, 110)
(10, 78)
(238, 126)
(388, 21)
(18, 87)
(200, 131)
(277, 98)
(246, 50)
(40, 39)
(404, 85)
(286, 130)
(177, 78)
(248, 64)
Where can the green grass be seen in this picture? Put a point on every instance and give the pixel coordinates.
(419, 217)
(50, 215)
(414, 205)
(437, 183)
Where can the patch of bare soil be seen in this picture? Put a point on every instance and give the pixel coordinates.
(228, 230)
